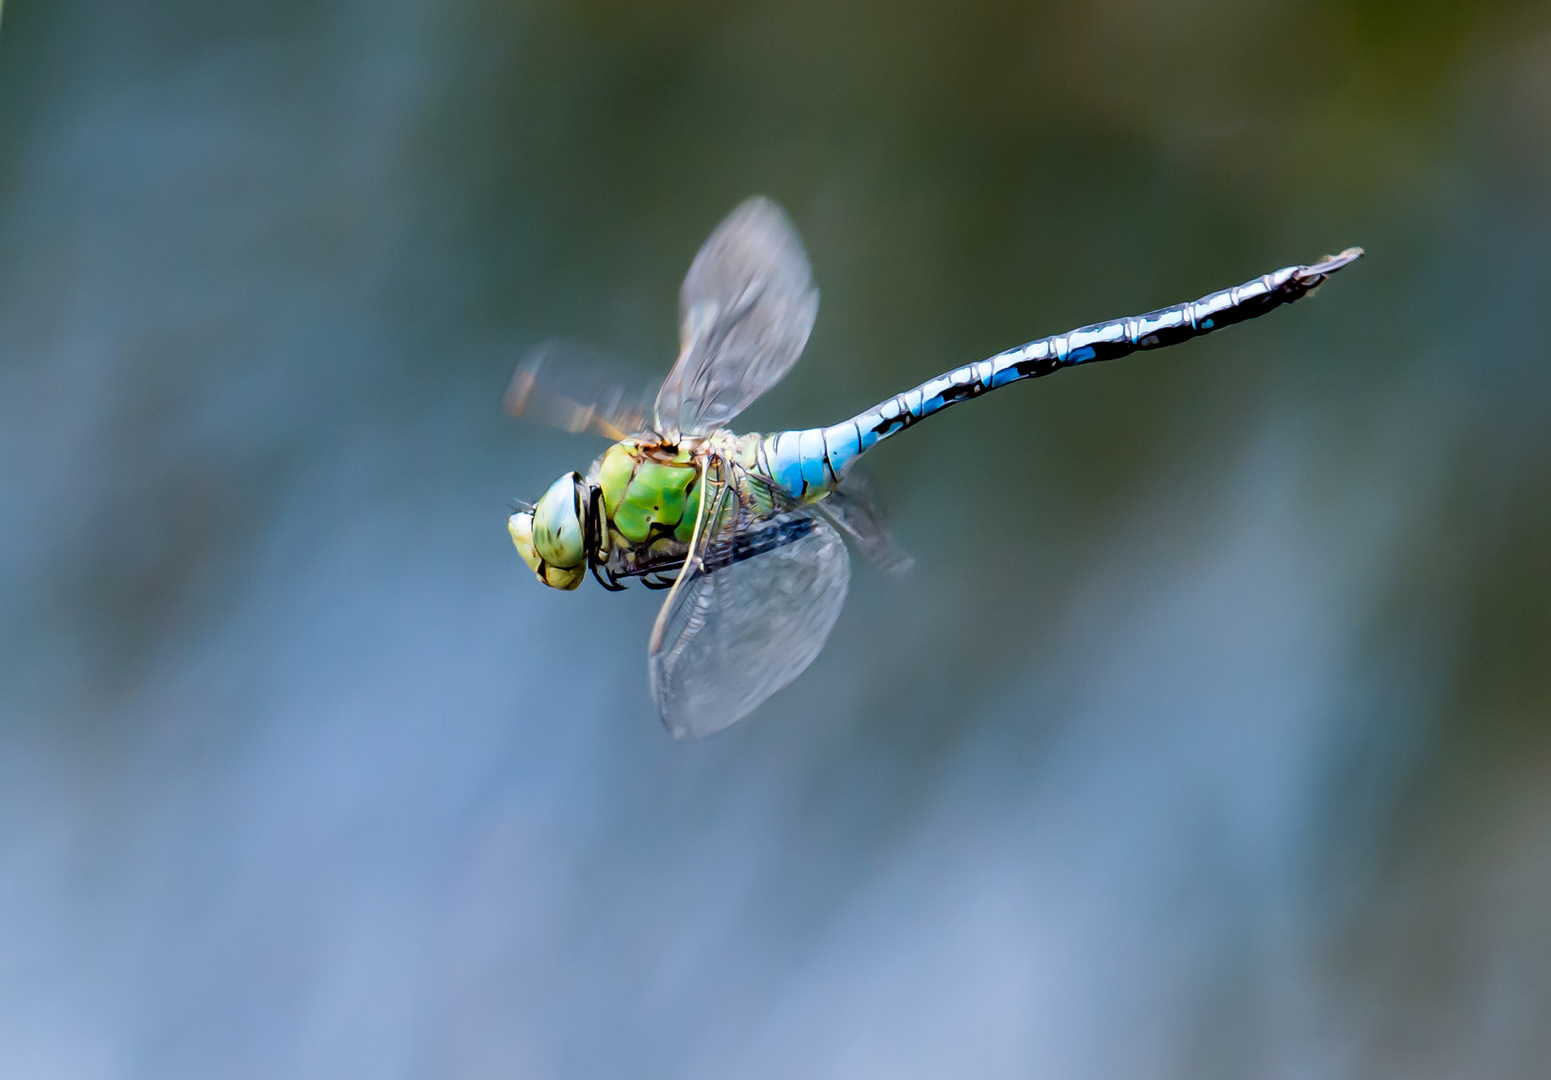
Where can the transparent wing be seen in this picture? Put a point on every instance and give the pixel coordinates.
(745, 312)
(575, 387)
(856, 511)
(750, 612)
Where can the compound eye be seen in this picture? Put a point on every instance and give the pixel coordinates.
(558, 536)
(556, 578)
(520, 525)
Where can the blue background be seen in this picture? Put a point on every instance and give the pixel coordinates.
(1210, 737)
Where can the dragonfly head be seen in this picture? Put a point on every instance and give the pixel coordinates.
(552, 537)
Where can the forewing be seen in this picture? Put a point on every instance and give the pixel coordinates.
(855, 509)
(745, 312)
(575, 387)
(753, 612)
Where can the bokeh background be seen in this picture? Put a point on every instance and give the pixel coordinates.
(1210, 737)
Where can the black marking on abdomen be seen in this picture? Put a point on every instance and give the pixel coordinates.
(1097, 343)
(888, 425)
(960, 391)
(1034, 368)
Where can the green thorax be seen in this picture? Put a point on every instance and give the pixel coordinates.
(651, 489)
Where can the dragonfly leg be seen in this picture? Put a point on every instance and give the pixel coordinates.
(612, 584)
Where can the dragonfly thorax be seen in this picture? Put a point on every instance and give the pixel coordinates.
(649, 489)
(633, 515)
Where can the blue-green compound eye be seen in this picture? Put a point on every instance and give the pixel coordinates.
(557, 524)
(520, 525)
(556, 577)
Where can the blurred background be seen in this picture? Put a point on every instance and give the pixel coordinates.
(1210, 736)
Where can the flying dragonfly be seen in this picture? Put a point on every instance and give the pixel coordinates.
(747, 532)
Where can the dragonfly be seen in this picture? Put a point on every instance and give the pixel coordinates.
(747, 532)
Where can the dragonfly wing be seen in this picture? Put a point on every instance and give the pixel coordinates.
(575, 387)
(752, 611)
(855, 509)
(745, 312)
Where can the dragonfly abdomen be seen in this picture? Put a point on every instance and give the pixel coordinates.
(810, 463)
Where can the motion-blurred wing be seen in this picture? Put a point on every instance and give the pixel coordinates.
(751, 614)
(745, 312)
(855, 509)
(577, 388)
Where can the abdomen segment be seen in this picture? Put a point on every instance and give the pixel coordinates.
(809, 463)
